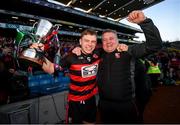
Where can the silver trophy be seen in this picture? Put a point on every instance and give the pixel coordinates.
(31, 56)
(43, 28)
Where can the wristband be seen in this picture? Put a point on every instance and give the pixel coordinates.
(56, 67)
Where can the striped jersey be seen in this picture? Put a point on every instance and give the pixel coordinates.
(82, 73)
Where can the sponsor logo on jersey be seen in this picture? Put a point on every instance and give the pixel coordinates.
(88, 71)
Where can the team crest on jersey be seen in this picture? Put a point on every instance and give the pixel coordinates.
(95, 56)
(88, 71)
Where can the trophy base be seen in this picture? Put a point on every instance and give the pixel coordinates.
(31, 58)
(26, 62)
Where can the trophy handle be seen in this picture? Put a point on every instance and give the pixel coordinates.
(34, 28)
(56, 26)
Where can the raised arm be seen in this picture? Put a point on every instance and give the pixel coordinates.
(48, 66)
(153, 40)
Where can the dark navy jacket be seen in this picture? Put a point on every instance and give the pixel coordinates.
(116, 70)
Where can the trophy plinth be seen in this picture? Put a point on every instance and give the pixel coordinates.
(31, 55)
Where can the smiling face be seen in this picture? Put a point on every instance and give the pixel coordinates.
(88, 43)
(109, 41)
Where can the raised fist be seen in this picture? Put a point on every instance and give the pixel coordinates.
(136, 16)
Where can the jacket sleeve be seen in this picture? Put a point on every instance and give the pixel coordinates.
(153, 40)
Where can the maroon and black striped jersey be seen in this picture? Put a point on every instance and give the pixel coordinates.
(82, 71)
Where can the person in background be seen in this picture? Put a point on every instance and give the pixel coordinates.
(154, 72)
(142, 86)
(174, 66)
(5, 85)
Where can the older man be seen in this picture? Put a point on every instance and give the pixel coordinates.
(116, 85)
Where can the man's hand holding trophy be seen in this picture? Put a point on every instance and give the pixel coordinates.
(29, 46)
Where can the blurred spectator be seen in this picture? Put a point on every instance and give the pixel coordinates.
(153, 71)
(174, 65)
(4, 86)
(143, 87)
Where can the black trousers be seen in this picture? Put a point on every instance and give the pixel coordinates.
(112, 112)
(81, 111)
